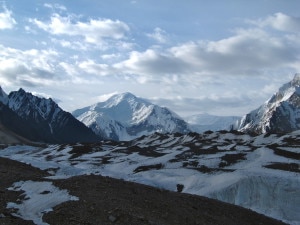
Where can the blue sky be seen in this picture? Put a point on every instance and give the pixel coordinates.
(197, 56)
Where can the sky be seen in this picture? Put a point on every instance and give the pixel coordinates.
(196, 56)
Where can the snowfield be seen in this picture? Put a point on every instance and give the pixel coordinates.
(260, 173)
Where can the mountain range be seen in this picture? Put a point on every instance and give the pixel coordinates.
(124, 117)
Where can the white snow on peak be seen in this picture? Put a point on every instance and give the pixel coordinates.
(124, 97)
(125, 108)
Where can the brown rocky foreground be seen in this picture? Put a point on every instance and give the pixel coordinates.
(104, 201)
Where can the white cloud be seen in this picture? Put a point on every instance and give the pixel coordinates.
(111, 56)
(55, 6)
(186, 106)
(27, 68)
(6, 20)
(91, 67)
(93, 31)
(247, 52)
(280, 21)
(75, 45)
(217, 74)
(158, 35)
(152, 63)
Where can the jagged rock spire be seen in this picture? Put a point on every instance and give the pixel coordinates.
(3, 96)
(296, 80)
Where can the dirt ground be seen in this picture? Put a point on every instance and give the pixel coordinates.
(106, 201)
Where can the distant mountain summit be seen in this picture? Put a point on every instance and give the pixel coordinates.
(280, 114)
(40, 119)
(203, 122)
(125, 117)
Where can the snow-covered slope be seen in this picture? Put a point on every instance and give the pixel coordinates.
(125, 117)
(40, 119)
(204, 122)
(280, 114)
(260, 173)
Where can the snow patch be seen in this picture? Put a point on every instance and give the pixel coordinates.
(39, 198)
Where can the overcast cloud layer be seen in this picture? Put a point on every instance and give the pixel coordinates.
(81, 57)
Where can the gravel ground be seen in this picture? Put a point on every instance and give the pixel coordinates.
(105, 201)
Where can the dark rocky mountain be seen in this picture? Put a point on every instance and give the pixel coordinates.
(40, 119)
(11, 122)
(3, 96)
(280, 114)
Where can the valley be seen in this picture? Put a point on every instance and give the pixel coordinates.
(252, 163)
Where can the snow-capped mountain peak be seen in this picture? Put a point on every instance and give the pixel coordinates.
(286, 90)
(45, 121)
(124, 107)
(126, 116)
(280, 114)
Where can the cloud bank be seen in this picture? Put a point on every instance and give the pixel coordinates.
(196, 75)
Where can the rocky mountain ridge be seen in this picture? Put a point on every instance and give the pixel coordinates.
(280, 114)
(42, 120)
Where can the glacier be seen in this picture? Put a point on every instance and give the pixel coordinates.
(228, 166)
(275, 197)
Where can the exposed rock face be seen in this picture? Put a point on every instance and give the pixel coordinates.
(3, 96)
